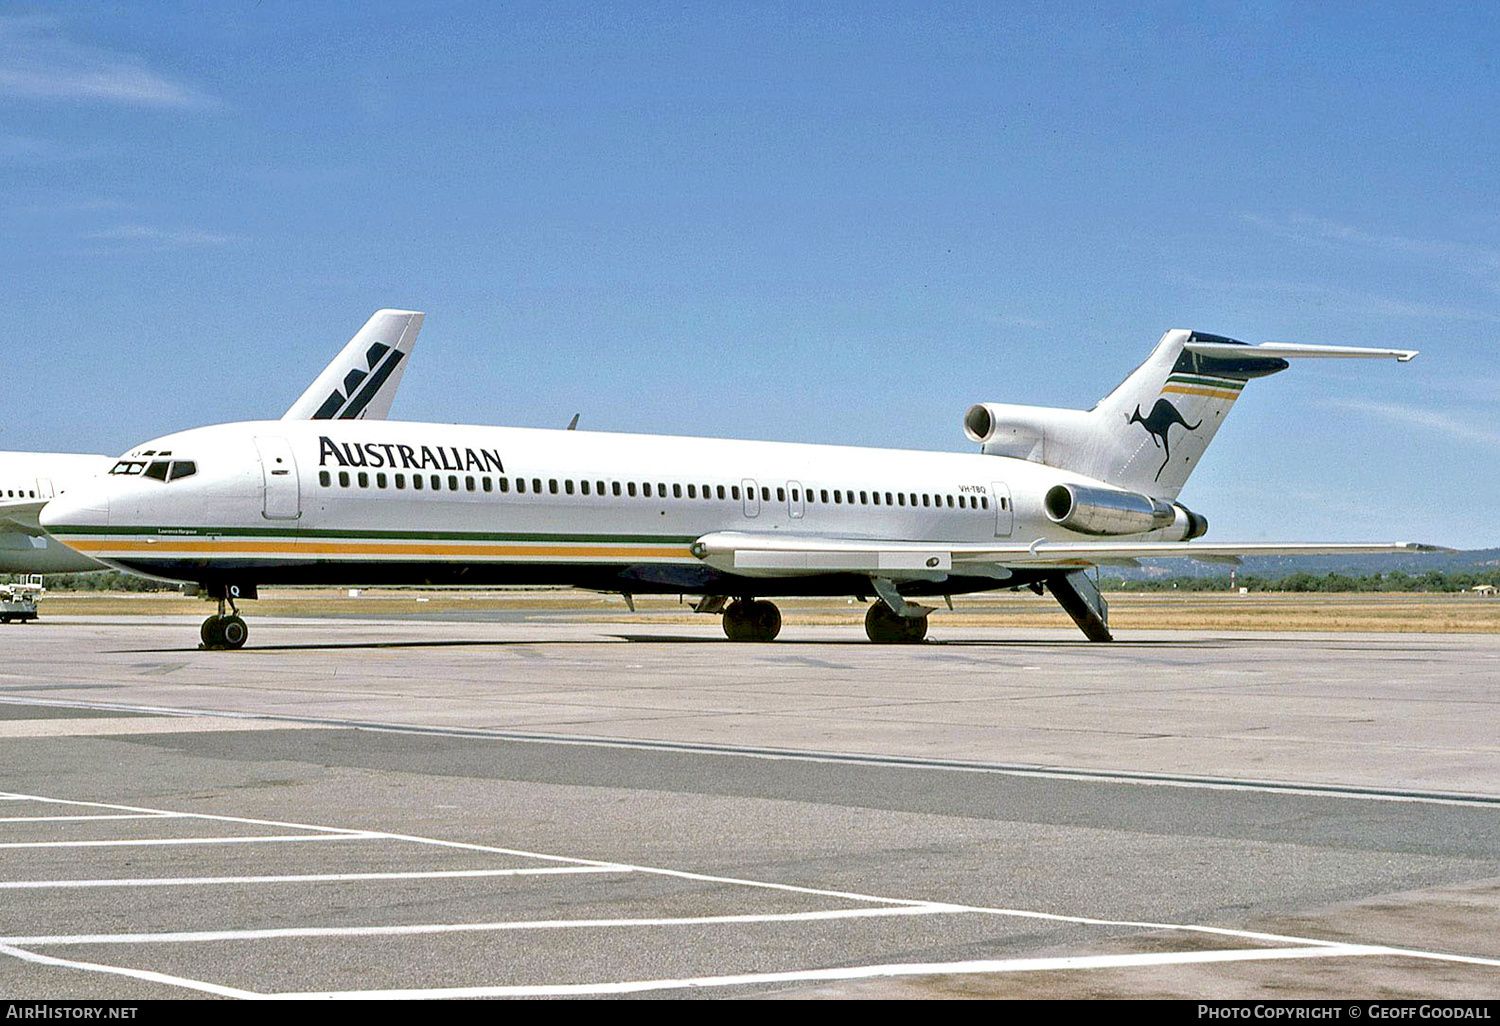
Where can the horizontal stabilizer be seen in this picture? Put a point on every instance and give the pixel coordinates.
(1293, 351)
(361, 381)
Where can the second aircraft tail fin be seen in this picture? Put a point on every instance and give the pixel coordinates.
(361, 381)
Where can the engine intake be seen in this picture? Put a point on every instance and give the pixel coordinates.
(1091, 510)
(979, 423)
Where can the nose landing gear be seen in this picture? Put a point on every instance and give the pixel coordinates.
(221, 632)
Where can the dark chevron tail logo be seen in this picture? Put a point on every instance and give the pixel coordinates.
(360, 386)
(1158, 424)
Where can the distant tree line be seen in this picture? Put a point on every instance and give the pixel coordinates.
(1396, 580)
(104, 580)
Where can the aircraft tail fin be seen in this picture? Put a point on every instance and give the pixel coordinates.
(1160, 419)
(1148, 434)
(361, 381)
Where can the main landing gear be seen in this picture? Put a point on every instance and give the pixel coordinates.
(752, 620)
(884, 626)
(758, 620)
(220, 631)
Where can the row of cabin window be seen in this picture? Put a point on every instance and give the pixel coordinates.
(11, 493)
(629, 488)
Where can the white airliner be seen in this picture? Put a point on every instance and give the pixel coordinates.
(1052, 493)
(359, 384)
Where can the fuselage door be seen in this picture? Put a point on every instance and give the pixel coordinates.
(752, 497)
(1005, 512)
(279, 468)
(795, 507)
(44, 488)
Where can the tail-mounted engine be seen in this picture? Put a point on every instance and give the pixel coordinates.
(1092, 510)
(1035, 433)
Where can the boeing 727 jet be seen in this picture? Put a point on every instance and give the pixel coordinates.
(1050, 494)
(359, 384)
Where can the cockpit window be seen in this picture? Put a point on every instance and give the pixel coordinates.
(160, 470)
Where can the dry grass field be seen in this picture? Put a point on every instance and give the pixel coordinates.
(1265, 611)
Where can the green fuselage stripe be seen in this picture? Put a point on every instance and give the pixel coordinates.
(329, 534)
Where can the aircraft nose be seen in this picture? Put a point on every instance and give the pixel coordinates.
(81, 506)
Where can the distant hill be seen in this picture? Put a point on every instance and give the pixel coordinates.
(1280, 566)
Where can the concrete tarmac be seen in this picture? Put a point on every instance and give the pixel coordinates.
(543, 808)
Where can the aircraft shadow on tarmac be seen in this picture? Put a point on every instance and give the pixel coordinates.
(690, 640)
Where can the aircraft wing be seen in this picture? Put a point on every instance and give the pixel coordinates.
(21, 515)
(763, 555)
(361, 381)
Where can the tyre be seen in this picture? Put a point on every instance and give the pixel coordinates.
(752, 621)
(767, 620)
(209, 632)
(233, 632)
(884, 627)
(737, 626)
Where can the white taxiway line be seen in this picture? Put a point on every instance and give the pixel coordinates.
(1293, 947)
(860, 972)
(137, 974)
(732, 881)
(61, 819)
(146, 843)
(201, 881)
(292, 932)
(41, 799)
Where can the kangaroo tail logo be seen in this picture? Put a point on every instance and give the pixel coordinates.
(1158, 424)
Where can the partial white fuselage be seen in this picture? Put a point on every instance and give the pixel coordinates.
(392, 502)
(26, 480)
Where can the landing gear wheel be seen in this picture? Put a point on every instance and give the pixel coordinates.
(884, 627)
(752, 621)
(210, 634)
(233, 632)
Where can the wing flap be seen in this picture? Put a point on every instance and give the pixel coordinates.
(760, 555)
(775, 556)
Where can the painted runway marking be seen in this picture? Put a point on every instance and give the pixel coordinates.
(289, 932)
(211, 881)
(860, 972)
(161, 841)
(137, 974)
(1276, 946)
(1294, 788)
(61, 819)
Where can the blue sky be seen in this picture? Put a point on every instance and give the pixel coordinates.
(822, 222)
